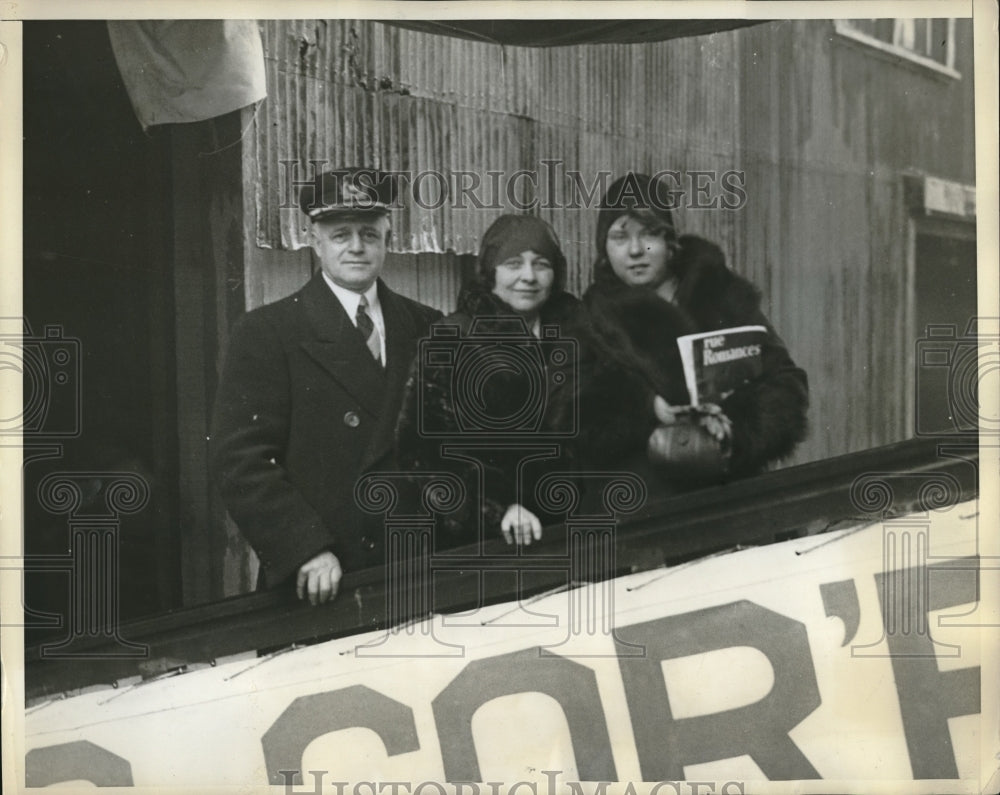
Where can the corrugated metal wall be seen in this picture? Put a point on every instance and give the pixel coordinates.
(828, 129)
(349, 92)
(822, 129)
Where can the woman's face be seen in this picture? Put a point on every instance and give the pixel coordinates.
(638, 256)
(524, 281)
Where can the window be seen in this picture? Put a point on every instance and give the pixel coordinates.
(929, 42)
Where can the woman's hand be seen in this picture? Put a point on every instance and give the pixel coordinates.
(713, 420)
(665, 413)
(707, 415)
(520, 525)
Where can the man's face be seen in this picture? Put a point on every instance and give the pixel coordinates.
(351, 249)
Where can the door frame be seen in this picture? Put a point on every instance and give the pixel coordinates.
(941, 208)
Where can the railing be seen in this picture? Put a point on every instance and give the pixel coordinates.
(863, 487)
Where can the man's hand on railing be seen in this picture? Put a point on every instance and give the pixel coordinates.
(318, 578)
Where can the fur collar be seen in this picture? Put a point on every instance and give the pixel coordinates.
(708, 291)
(638, 328)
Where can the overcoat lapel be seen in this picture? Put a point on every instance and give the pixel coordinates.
(338, 348)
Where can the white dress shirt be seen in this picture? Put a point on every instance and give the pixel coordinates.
(350, 300)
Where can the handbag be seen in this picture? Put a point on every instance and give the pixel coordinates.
(685, 450)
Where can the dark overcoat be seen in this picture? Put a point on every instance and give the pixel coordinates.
(512, 460)
(301, 412)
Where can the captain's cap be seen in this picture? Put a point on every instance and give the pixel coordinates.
(347, 190)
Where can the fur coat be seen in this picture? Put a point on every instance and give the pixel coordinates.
(438, 410)
(632, 356)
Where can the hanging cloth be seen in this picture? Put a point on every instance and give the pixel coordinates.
(188, 70)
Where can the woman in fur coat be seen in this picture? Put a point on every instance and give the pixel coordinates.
(495, 376)
(651, 286)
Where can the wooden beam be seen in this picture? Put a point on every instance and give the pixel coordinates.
(208, 245)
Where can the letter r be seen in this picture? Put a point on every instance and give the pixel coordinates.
(666, 744)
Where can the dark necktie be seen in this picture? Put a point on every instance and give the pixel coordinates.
(368, 330)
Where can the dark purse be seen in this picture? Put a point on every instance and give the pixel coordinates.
(684, 449)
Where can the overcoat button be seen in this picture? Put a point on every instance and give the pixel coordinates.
(351, 419)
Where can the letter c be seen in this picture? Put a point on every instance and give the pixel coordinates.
(309, 717)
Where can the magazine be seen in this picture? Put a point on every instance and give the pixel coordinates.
(718, 362)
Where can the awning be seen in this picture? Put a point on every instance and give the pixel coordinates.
(563, 32)
(189, 70)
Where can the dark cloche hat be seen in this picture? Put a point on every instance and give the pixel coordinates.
(511, 234)
(347, 190)
(640, 195)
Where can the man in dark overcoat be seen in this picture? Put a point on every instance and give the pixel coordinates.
(310, 393)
